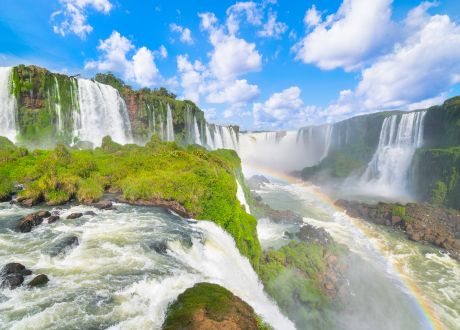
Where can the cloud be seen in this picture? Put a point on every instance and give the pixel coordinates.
(273, 28)
(192, 78)
(218, 81)
(359, 30)
(282, 110)
(233, 56)
(115, 50)
(72, 18)
(163, 52)
(239, 91)
(416, 73)
(185, 33)
(312, 17)
(248, 11)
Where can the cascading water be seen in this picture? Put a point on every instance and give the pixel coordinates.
(8, 106)
(101, 112)
(169, 125)
(285, 151)
(209, 138)
(241, 197)
(117, 277)
(400, 136)
(196, 132)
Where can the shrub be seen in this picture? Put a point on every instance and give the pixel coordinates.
(56, 197)
(89, 191)
(398, 211)
(6, 188)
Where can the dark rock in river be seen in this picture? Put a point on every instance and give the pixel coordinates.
(103, 205)
(39, 280)
(12, 275)
(91, 213)
(64, 245)
(159, 247)
(168, 204)
(75, 215)
(53, 218)
(34, 219)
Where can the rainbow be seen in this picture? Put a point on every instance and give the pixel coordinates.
(423, 304)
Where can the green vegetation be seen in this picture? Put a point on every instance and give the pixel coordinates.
(291, 275)
(398, 211)
(203, 182)
(215, 302)
(436, 177)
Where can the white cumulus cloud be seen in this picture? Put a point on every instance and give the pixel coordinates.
(115, 50)
(284, 109)
(347, 38)
(72, 18)
(273, 28)
(185, 35)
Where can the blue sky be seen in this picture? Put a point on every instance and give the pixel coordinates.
(261, 64)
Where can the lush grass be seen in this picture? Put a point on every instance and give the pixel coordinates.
(201, 181)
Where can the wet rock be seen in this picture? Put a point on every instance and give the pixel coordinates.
(12, 281)
(423, 223)
(39, 280)
(91, 213)
(12, 275)
(64, 245)
(53, 218)
(26, 223)
(75, 215)
(103, 205)
(159, 247)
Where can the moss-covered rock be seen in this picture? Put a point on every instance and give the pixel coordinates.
(209, 306)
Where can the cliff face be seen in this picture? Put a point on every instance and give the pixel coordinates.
(49, 109)
(434, 173)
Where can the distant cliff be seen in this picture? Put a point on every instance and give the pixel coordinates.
(433, 173)
(51, 107)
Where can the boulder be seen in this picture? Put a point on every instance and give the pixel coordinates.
(39, 280)
(103, 205)
(91, 213)
(26, 223)
(53, 218)
(395, 220)
(75, 215)
(64, 245)
(159, 247)
(13, 275)
(209, 306)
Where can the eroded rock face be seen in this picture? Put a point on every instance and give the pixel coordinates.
(26, 223)
(423, 223)
(208, 307)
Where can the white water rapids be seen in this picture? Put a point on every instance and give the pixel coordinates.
(114, 278)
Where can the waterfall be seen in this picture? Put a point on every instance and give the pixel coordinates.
(101, 112)
(196, 132)
(8, 107)
(209, 138)
(241, 197)
(57, 106)
(169, 125)
(400, 136)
